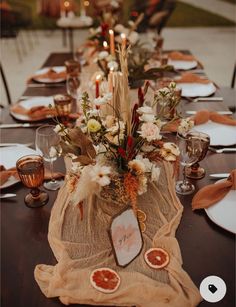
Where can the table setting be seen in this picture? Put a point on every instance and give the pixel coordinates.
(114, 161)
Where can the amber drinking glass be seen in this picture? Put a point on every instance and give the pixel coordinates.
(63, 105)
(195, 171)
(31, 172)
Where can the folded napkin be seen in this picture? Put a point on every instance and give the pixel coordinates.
(192, 78)
(51, 74)
(213, 193)
(34, 112)
(179, 56)
(5, 174)
(203, 116)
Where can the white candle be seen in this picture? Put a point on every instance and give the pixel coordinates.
(112, 42)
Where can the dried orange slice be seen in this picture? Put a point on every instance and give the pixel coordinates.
(105, 280)
(156, 258)
(141, 215)
(142, 226)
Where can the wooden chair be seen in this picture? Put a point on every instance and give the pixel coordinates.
(5, 85)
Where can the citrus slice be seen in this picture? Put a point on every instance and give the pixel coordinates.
(105, 280)
(141, 215)
(142, 226)
(156, 258)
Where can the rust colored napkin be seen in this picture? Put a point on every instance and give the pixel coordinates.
(179, 56)
(34, 112)
(6, 174)
(50, 74)
(192, 78)
(213, 193)
(202, 117)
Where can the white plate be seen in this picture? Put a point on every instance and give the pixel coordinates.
(33, 102)
(58, 69)
(8, 158)
(220, 135)
(183, 65)
(197, 89)
(223, 213)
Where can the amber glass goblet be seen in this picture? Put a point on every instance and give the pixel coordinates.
(63, 105)
(30, 169)
(195, 171)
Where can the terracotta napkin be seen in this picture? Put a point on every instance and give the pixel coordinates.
(51, 74)
(203, 116)
(179, 56)
(34, 112)
(213, 193)
(5, 174)
(192, 78)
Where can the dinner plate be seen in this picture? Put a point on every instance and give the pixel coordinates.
(58, 69)
(8, 158)
(183, 65)
(220, 135)
(33, 102)
(197, 89)
(223, 213)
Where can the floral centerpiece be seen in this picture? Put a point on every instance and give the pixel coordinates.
(116, 154)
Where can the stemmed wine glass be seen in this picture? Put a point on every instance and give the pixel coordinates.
(31, 172)
(47, 143)
(195, 171)
(73, 80)
(190, 151)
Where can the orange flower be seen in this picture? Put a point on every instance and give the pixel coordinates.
(131, 187)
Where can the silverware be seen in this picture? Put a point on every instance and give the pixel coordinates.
(23, 125)
(8, 195)
(202, 99)
(219, 112)
(219, 175)
(15, 144)
(44, 85)
(221, 150)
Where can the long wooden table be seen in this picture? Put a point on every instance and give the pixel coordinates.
(206, 248)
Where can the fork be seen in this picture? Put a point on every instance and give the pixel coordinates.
(206, 99)
(221, 150)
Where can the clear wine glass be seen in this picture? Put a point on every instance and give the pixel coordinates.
(31, 172)
(73, 85)
(47, 143)
(190, 151)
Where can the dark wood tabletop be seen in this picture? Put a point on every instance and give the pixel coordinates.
(206, 248)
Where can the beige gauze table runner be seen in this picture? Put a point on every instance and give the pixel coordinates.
(82, 246)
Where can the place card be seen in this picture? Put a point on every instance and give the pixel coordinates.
(126, 237)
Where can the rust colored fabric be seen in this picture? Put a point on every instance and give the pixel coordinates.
(203, 116)
(5, 174)
(192, 78)
(80, 246)
(51, 74)
(213, 193)
(35, 113)
(179, 56)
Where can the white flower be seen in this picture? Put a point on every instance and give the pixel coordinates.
(99, 101)
(93, 112)
(93, 125)
(100, 174)
(137, 166)
(114, 129)
(119, 28)
(115, 4)
(113, 65)
(150, 132)
(57, 128)
(60, 129)
(148, 118)
(133, 37)
(169, 151)
(186, 124)
(103, 55)
(145, 110)
(110, 120)
(155, 173)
